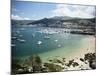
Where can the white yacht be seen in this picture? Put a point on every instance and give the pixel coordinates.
(46, 37)
(56, 40)
(21, 40)
(39, 42)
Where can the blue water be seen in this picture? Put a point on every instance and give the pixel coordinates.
(30, 46)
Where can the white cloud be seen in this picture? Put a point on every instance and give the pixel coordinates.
(26, 18)
(74, 11)
(16, 17)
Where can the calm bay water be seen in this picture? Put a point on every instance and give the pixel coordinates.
(54, 42)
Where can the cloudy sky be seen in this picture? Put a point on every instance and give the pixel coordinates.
(22, 10)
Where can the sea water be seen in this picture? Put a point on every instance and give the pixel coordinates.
(59, 43)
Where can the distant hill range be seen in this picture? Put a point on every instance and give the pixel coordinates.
(20, 22)
(54, 20)
(81, 24)
(58, 21)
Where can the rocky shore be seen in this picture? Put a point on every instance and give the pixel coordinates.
(34, 64)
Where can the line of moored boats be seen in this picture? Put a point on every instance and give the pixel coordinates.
(33, 35)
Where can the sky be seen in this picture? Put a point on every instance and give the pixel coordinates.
(28, 10)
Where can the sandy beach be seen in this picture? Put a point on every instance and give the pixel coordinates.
(80, 53)
(89, 48)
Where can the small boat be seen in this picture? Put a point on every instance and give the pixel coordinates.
(50, 33)
(13, 45)
(21, 40)
(39, 42)
(46, 37)
(13, 37)
(56, 40)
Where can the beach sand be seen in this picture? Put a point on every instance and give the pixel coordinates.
(89, 48)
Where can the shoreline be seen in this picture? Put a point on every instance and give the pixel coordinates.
(89, 48)
(76, 56)
(80, 53)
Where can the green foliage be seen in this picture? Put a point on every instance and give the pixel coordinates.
(53, 67)
(70, 62)
(82, 59)
(36, 65)
(75, 64)
(38, 60)
(91, 58)
(56, 61)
